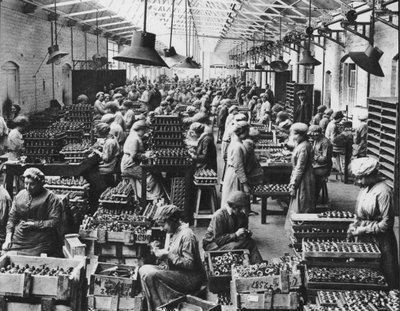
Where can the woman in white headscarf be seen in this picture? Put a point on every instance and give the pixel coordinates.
(375, 216)
(302, 182)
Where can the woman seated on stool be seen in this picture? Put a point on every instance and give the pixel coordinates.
(228, 229)
(34, 218)
(180, 270)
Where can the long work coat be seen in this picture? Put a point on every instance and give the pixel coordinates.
(375, 212)
(235, 175)
(45, 211)
(206, 153)
(302, 179)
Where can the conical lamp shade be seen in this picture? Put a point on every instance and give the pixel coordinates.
(171, 58)
(187, 64)
(369, 60)
(142, 51)
(279, 65)
(308, 60)
(264, 63)
(55, 54)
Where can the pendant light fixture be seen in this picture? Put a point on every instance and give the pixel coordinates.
(170, 56)
(188, 62)
(264, 64)
(98, 59)
(280, 65)
(142, 50)
(369, 60)
(55, 54)
(308, 59)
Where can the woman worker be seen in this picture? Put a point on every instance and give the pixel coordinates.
(108, 155)
(34, 218)
(302, 182)
(228, 229)
(15, 139)
(134, 153)
(235, 176)
(181, 271)
(375, 216)
(205, 155)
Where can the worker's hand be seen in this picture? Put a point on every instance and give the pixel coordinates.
(240, 232)
(292, 192)
(160, 253)
(27, 225)
(246, 188)
(357, 231)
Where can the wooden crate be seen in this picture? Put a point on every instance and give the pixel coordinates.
(73, 246)
(194, 301)
(115, 303)
(288, 301)
(104, 285)
(43, 305)
(27, 285)
(220, 283)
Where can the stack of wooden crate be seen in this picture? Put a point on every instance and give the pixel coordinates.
(42, 291)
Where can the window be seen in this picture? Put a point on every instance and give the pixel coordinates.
(112, 51)
(349, 85)
(9, 90)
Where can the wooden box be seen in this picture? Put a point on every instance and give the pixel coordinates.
(27, 285)
(221, 283)
(115, 303)
(73, 246)
(104, 285)
(192, 301)
(288, 301)
(254, 301)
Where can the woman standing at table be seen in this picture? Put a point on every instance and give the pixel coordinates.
(235, 176)
(34, 218)
(302, 182)
(205, 155)
(375, 216)
(15, 138)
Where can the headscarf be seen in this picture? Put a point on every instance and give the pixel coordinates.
(21, 121)
(35, 174)
(299, 128)
(363, 116)
(197, 127)
(102, 128)
(364, 166)
(82, 99)
(314, 129)
(321, 109)
(337, 115)
(138, 125)
(113, 106)
(240, 127)
(99, 94)
(233, 108)
(108, 118)
(328, 112)
(283, 115)
(237, 198)
(240, 117)
(168, 212)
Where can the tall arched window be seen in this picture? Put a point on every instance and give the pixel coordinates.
(9, 88)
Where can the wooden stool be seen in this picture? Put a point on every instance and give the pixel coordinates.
(205, 214)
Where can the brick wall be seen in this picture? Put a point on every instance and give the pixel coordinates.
(24, 41)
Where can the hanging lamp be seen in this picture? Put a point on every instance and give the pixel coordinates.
(187, 63)
(264, 63)
(280, 65)
(142, 50)
(55, 54)
(369, 60)
(308, 59)
(98, 59)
